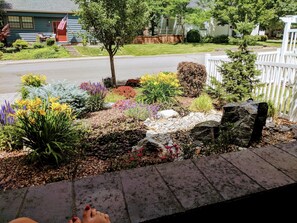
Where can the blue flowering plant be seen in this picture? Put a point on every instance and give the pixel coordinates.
(97, 94)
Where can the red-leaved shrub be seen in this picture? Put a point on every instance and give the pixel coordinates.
(126, 91)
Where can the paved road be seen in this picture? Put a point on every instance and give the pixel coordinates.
(79, 70)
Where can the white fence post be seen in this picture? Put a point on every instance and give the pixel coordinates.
(207, 67)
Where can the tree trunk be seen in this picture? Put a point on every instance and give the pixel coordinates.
(113, 75)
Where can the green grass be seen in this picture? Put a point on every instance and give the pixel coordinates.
(159, 49)
(43, 53)
(271, 43)
(155, 49)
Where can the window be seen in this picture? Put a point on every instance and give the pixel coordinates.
(21, 22)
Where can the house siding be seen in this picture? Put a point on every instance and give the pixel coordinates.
(43, 24)
(73, 29)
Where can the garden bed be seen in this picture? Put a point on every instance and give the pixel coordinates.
(108, 149)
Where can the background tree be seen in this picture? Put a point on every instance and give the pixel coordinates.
(1, 13)
(266, 13)
(235, 11)
(157, 8)
(113, 23)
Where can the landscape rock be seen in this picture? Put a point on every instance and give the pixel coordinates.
(206, 131)
(167, 114)
(246, 121)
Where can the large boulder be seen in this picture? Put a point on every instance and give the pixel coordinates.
(205, 131)
(246, 121)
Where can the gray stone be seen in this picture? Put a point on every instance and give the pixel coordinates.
(262, 172)
(10, 203)
(283, 161)
(246, 121)
(49, 203)
(108, 105)
(226, 178)
(103, 192)
(188, 184)
(205, 131)
(167, 114)
(283, 128)
(147, 195)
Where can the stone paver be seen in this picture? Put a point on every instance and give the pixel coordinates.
(10, 203)
(281, 160)
(49, 203)
(104, 192)
(262, 172)
(188, 184)
(226, 178)
(289, 148)
(170, 192)
(147, 195)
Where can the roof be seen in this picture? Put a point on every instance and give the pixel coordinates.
(48, 6)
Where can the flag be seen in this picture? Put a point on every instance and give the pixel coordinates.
(62, 24)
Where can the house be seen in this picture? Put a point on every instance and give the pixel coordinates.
(28, 18)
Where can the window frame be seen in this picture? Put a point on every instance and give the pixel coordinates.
(22, 24)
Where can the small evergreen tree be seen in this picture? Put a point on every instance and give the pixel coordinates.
(240, 76)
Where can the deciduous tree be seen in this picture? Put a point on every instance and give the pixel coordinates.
(113, 23)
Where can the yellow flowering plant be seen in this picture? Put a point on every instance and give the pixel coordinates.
(159, 88)
(33, 80)
(47, 128)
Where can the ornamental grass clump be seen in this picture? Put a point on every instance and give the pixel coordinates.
(31, 80)
(47, 129)
(97, 94)
(202, 104)
(159, 88)
(137, 110)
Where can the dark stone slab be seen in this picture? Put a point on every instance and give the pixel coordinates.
(258, 169)
(226, 178)
(281, 160)
(247, 120)
(103, 192)
(147, 195)
(188, 184)
(49, 203)
(10, 203)
(205, 131)
(288, 147)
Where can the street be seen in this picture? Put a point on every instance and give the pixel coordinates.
(93, 69)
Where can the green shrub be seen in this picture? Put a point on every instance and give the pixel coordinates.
(10, 50)
(48, 129)
(193, 36)
(20, 44)
(251, 40)
(38, 45)
(262, 38)
(10, 138)
(67, 93)
(192, 77)
(202, 104)
(31, 80)
(207, 39)
(1, 55)
(220, 39)
(1, 45)
(50, 41)
(272, 111)
(113, 97)
(159, 88)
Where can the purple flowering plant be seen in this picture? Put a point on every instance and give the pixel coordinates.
(97, 94)
(6, 114)
(137, 110)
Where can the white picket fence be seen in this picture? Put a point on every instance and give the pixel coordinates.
(278, 80)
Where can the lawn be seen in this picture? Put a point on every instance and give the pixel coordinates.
(41, 53)
(159, 49)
